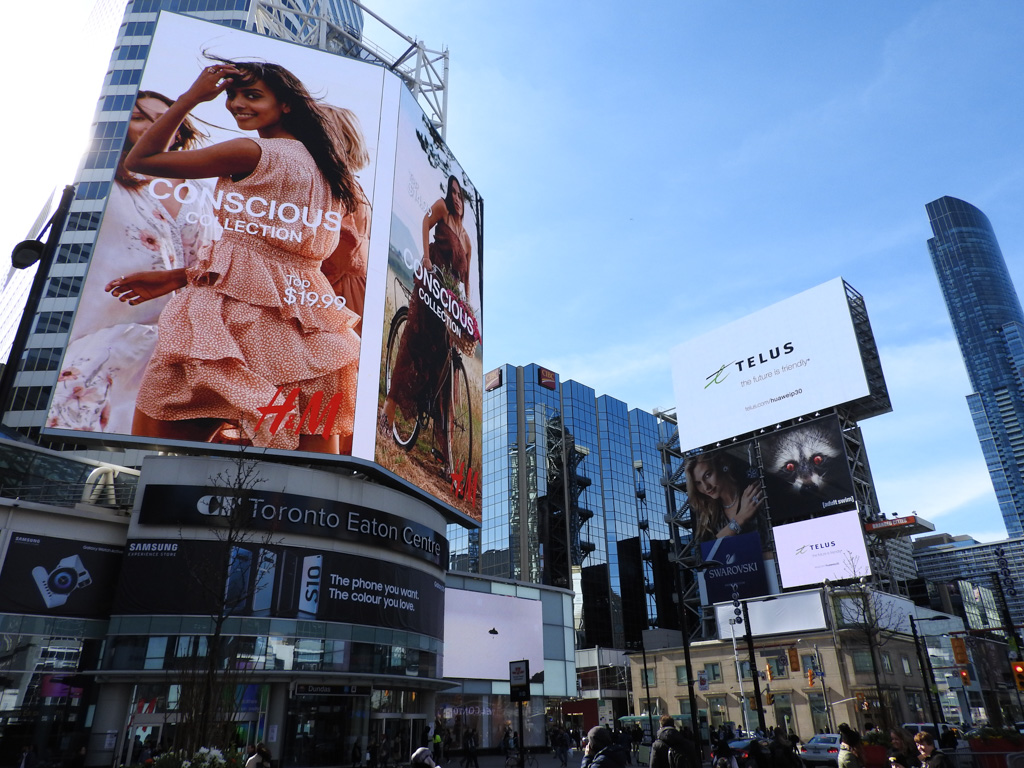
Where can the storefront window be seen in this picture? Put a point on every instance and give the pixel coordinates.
(819, 715)
(44, 700)
(330, 730)
(784, 711)
(717, 711)
(278, 653)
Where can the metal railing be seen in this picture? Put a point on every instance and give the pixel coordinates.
(119, 496)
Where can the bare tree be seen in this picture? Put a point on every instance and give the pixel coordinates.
(871, 620)
(225, 577)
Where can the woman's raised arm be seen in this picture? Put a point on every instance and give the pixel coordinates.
(434, 215)
(234, 158)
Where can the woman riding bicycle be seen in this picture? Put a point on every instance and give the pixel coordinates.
(422, 353)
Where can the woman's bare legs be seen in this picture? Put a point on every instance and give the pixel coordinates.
(319, 443)
(198, 430)
(388, 413)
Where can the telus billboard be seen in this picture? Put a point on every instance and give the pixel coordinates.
(792, 358)
(811, 551)
(300, 271)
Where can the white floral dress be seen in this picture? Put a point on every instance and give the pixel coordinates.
(111, 341)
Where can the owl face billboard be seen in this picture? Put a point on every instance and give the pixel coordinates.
(240, 291)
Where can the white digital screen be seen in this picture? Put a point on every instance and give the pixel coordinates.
(794, 357)
(484, 632)
(829, 547)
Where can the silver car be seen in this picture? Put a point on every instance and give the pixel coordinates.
(822, 749)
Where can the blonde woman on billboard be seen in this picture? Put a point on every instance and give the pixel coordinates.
(111, 342)
(724, 502)
(346, 267)
(256, 337)
(423, 350)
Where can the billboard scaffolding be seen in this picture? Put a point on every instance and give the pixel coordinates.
(836, 409)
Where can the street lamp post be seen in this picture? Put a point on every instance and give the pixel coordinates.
(739, 674)
(24, 255)
(684, 626)
(647, 688)
(753, 669)
(824, 686)
(925, 662)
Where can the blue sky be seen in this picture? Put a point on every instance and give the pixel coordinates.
(654, 170)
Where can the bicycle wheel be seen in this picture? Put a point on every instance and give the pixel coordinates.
(404, 429)
(460, 420)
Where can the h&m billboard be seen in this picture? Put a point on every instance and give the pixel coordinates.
(792, 358)
(301, 271)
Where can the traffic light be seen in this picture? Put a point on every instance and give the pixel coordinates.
(1018, 674)
(965, 676)
(769, 698)
(768, 671)
(862, 702)
(810, 676)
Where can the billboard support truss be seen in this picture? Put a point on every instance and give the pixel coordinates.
(680, 516)
(423, 70)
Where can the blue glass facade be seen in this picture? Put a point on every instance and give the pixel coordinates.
(572, 498)
(989, 324)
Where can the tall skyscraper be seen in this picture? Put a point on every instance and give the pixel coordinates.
(572, 498)
(989, 324)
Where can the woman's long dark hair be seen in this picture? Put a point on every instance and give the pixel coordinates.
(710, 515)
(305, 120)
(449, 198)
(186, 137)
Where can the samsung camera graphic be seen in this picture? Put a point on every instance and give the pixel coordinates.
(57, 585)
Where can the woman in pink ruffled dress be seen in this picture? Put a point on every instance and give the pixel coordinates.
(256, 337)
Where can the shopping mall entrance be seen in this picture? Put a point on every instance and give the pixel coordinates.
(327, 725)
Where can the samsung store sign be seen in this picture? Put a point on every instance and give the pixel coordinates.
(287, 513)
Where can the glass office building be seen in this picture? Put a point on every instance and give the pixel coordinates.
(572, 498)
(993, 565)
(989, 324)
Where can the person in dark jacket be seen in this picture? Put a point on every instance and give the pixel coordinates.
(670, 738)
(602, 751)
(624, 740)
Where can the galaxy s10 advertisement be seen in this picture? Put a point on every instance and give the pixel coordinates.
(256, 578)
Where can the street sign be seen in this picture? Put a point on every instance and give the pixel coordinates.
(519, 680)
